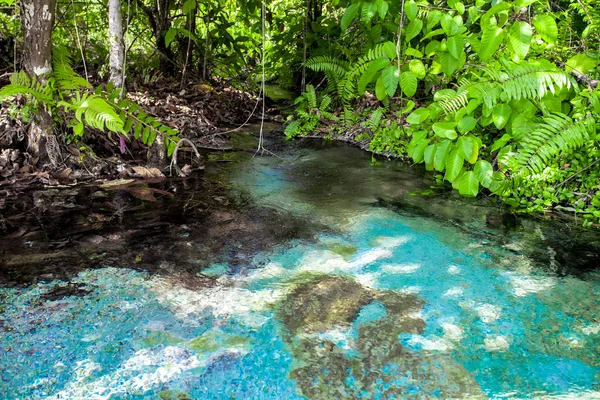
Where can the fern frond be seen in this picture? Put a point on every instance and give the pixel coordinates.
(557, 133)
(327, 64)
(66, 77)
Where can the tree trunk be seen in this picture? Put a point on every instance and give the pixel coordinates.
(37, 20)
(115, 34)
(159, 18)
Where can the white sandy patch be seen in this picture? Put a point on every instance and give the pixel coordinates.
(390, 242)
(371, 256)
(271, 270)
(453, 270)
(591, 329)
(368, 279)
(146, 369)
(434, 343)
(326, 262)
(220, 301)
(488, 312)
(452, 332)
(495, 343)
(408, 268)
(524, 285)
(454, 292)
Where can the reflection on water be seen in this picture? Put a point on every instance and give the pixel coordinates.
(374, 294)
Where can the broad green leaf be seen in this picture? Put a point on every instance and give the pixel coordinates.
(581, 63)
(449, 63)
(408, 83)
(468, 184)
(460, 7)
(170, 36)
(409, 106)
(466, 124)
(441, 153)
(444, 129)
(419, 150)
(546, 27)
(432, 34)
(486, 19)
(390, 49)
(418, 116)
(433, 18)
(520, 38)
(412, 30)
(483, 172)
(455, 46)
(413, 52)
(368, 11)
(380, 90)
(428, 156)
(374, 67)
(189, 6)
(449, 25)
(382, 7)
(417, 140)
(501, 115)
(411, 9)
(524, 3)
(468, 148)
(454, 164)
(490, 42)
(432, 47)
(418, 68)
(501, 142)
(349, 15)
(390, 76)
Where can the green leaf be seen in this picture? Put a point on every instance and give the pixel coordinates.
(483, 172)
(546, 27)
(418, 116)
(500, 142)
(441, 153)
(454, 164)
(413, 52)
(349, 14)
(189, 6)
(418, 68)
(390, 76)
(455, 46)
(78, 129)
(581, 63)
(368, 12)
(170, 36)
(428, 156)
(408, 83)
(520, 38)
(466, 124)
(380, 89)
(137, 130)
(382, 7)
(468, 148)
(445, 130)
(449, 25)
(501, 115)
(374, 67)
(468, 185)
(449, 63)
(411, 9)
(145, 134)
(490, 42)
(412, 30)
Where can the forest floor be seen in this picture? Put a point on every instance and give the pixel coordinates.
(202, 113)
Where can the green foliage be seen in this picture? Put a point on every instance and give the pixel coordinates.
(68, 92)
(494, 103)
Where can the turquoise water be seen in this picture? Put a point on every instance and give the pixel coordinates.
(382, 304)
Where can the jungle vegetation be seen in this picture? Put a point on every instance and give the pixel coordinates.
(493, 97)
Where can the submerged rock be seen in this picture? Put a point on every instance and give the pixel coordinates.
(340, 352)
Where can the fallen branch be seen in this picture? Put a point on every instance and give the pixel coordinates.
(174, 157)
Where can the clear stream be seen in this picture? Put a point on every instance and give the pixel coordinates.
(386, 287)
